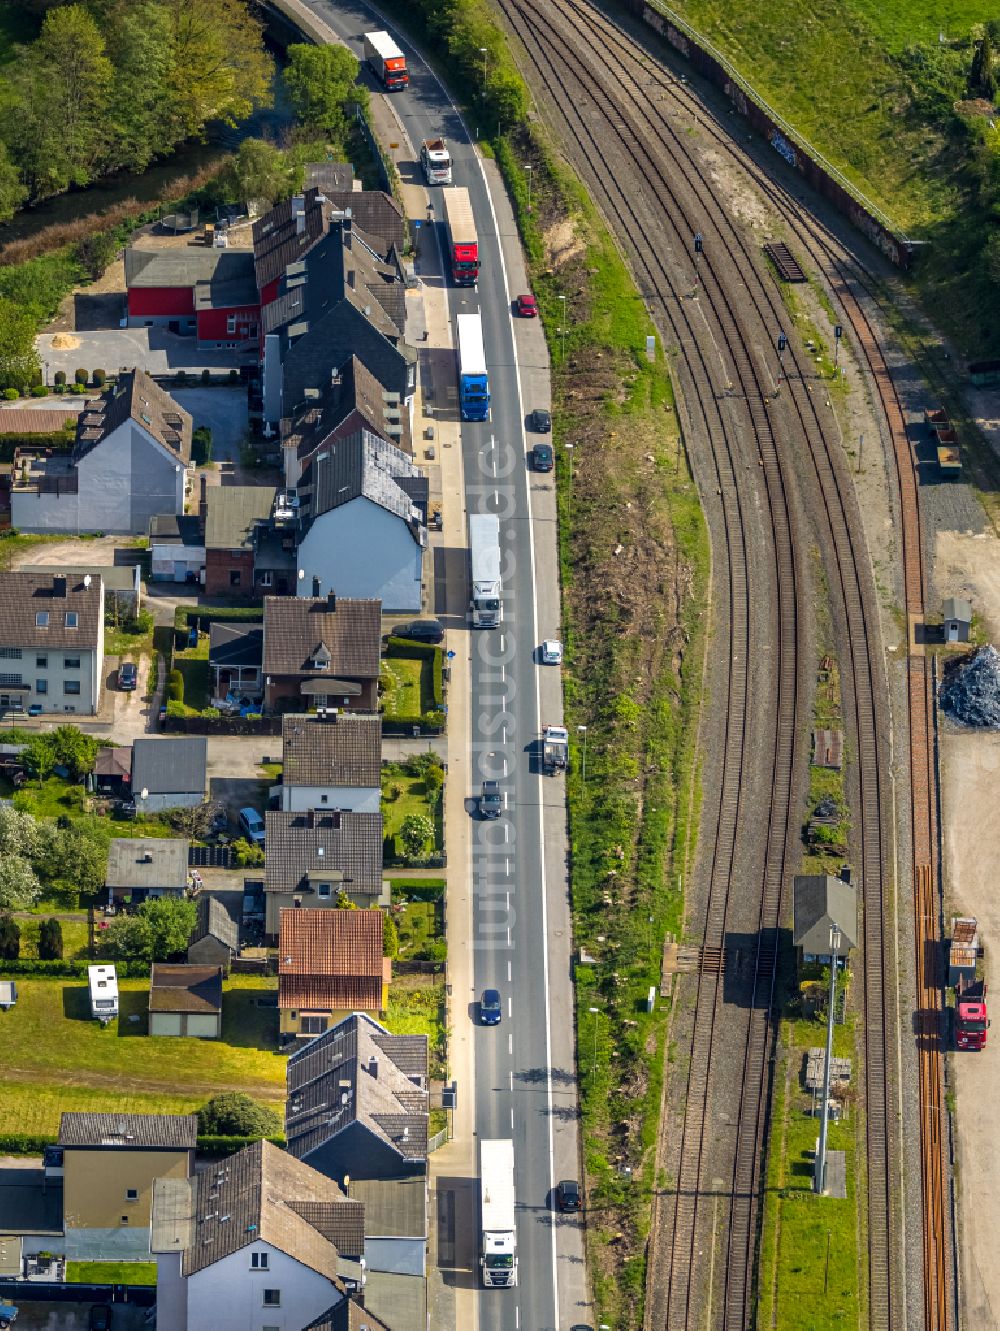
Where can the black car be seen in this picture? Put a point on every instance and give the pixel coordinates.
(420, 630)
(540, 421)
(100, 1317)
(128, 677)
(541, 457)
(490, 801)
(490, 1009)
(568, 1195)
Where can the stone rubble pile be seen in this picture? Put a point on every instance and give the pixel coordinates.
(971, 693)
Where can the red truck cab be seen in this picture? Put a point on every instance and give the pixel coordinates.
(971, 1018)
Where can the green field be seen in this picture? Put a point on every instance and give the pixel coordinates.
(401, 691)
(75, 936)
(111, 1273)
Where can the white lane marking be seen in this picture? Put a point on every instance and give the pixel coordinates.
(507, 867)
(512, 1120)
(508, 973)
(510, 1043)
(510, 1011)
(517, 1315)
(510, 1074)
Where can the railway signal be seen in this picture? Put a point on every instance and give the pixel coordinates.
(838, 333)
(782, 343)
(699, 245)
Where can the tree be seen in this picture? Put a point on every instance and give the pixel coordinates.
(433, 781)
(260, 171)
(71, 861)
(19, 363)
(19, 833)
(129, 938)
(320, 80)
(236, 1115)
(219, 69)
(50, 940)
(248, 854)
(344, 902)
(12, 190)
(74, 750)
(390, 936)
(138, 110)
(415, 832)
(982, 79)
(171, 922)
(19, 888)
(10, 938)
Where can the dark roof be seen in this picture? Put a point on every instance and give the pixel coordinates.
(25, 596)
(148, 862)
(233, 512)
(351, 846)
(177, 1132)
(354, 392)
(342, 750)
(308, 358)
(956, 607)
(820, 902)
(114, 761)
(135, 396)
(330, 176)
(377, 214)
(216, 922)
(364, 466)
(185, 988)
(168, 766)
(331, 959)
(279, 239)
(358, 1073)
(235, 644)
(394, 1208)
(347, 1315)
(194, 266)
(175, 529)
(295, 626)
(340, 1220)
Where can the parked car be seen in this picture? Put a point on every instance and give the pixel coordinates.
(490, 1009)
(568, 1195)
(552, 651)
(540, 421)
(527, 306)
(128, 676)
(8, 1314)
(420, 630)
(36, 709)
(490, 803)
(252, 826)
(100, 1317)
(541, 457)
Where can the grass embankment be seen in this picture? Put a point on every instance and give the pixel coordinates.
(111, 1273)
(880, 88)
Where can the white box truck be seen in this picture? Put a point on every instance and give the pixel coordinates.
(499, 1233)
(484, 548)
(103, 983)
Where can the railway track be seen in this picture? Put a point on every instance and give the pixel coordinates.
(640, 127)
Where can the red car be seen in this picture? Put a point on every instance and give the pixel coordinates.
(527, 307)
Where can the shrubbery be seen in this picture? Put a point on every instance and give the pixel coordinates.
(234, 1114)
(175, 687)
(81, 377)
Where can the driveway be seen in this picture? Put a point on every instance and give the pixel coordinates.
(152, 349)
(224, 411)
(135, 712)
(98, 552)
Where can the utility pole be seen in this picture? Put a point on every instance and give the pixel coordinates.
(819, 1183)
(528, 173)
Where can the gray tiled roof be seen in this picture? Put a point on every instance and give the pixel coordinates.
(359, 465)
(215, 921)
(277, 240)
(377, 214)
(351, 1075)
(820, 902)
(25, 596)
(342, 750)
(169, 766)
(233, 512)
(355, 389)
(135, 395)
(340, 1221)
(294, 626)
(148, 862)
(185, 988)
(394, 1208)
(351, 846)
(190, 264)
(177, 1132)
(348, 1315)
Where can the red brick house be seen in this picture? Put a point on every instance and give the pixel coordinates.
(322, 651)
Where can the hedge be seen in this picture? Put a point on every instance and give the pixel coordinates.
(417, 889)
(72, 970)
(206, 614)
(229, 1145)
(27, 1143)
(421, 651)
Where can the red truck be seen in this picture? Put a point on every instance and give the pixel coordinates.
(386, 61)
(971, 1017)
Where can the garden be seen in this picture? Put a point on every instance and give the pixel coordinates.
(411, 685)
(413, 811)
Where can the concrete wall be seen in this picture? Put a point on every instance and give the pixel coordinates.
(229, 1296)
(95, 1200)
(171, 1292)
(361, 550)
(300, 799)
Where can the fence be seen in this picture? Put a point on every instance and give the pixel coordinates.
(438, 1140)
(221, 725)
(211, 857)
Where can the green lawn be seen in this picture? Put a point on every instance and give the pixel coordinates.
(401, 688)
(54, 1050)
(197, 680)
(419, 926)
(74, 932)
(118, 642)
(417, 1007)
(55, 798)
(111, 1273)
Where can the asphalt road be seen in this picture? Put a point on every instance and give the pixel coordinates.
(514, 1064)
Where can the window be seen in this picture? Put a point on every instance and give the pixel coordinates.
(266, 579)
(323, 890)
(234, 577)
(313, 1025)
(6, 678)
(258, 1261)
(324, 799)
(41, 619)
(124, 1219)
(41, 663)
(71, 687)
(131, 1194)
(41, 686)
(272, 1298)
(10, 653)
(72, 619)
(231, 324)
(71, 663)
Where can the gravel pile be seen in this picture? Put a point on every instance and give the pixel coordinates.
(971, 694)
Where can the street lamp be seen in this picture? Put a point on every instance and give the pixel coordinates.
(562, 330)
(582, 730)
(597, 1017)
(569, 450)
(819, 1183)
(528, 170)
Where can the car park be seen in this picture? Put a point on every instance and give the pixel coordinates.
(420, 630)
(128, 676)
(551, 651)
(252, 826)
(541, 457)
(568, 1195)
(490, 802)
(490, 1009)
(540, 421)
(527, 306)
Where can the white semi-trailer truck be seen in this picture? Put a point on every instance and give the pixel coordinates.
(499, 1234)
(484, 547)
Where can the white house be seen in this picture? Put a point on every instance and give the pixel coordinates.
(129, 462)
(51, 642)
(332, 761)
(364, 514)
(257, 1242)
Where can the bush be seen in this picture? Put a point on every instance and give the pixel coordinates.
(24, 1143)
(39, 390)
(209, 1143)
(175, 686)
(11, 394)
(237, 1115)
(78, 389)
(69, 970)
(81, 377)
(10, 938)
(248, 855)
(175, 708)
(59, 378)
(50, 941)
(100, 378)
(201, 445)
(421, 651)
(390, 936)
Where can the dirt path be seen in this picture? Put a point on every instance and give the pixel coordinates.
(102, 1081)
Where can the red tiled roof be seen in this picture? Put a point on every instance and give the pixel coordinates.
(331, 959)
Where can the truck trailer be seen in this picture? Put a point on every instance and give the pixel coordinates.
(386, 61)
(555, 749)
(499, 1234)
(463, 239)
(436, 161)
(473, 381)
(484, 550)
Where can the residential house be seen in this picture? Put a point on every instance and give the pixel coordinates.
(235, 653)
(354, 400)
(363, 522)
(176, 548)
(323, 650)
(821, 904)
(330, 762)
(357, 1102)
(216, 937)
(113, 770)
(341, 299)
(122, 582)
(142, 867)
(169, 773)
(330, 964)
(208, 292)
(249, 541)
(129, 462)
(348, 1315)
(375, 213)
(311, 857)
(51, 642)
(185, 1000)
(255, 1242)
(110, 1163)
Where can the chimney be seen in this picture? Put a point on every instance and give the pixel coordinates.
(203, 505)
(309, 818)
(315, 585)
(59, 586)
(335, 815)
(331, 601)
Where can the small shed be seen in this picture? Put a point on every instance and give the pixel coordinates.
(169, 773)
(113, 769)
(215, 940)
(185, 1000)
(8, 994)
(957, 619)
(821, 903)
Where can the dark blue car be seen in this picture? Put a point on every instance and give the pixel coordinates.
(490, 1010)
